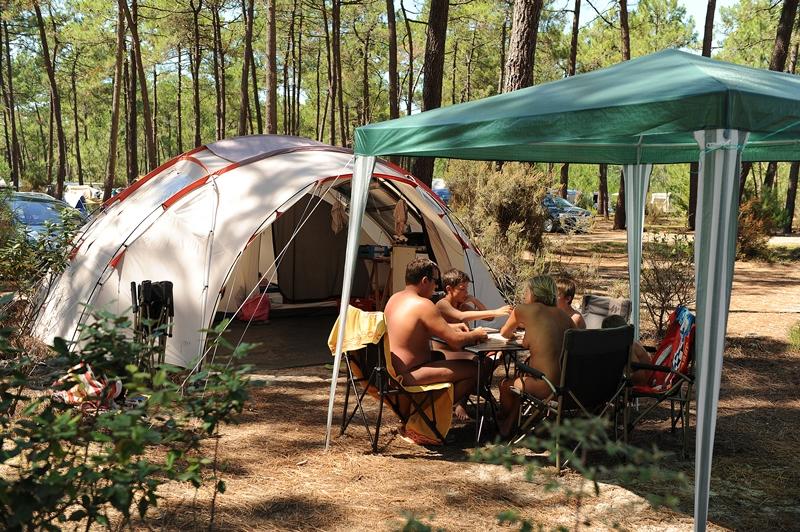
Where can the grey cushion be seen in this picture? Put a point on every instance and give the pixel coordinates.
(596, 308)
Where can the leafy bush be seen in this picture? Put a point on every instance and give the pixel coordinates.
(759, 218)
(29, 266)
(503, 214)
(667, 277)
(89, 466)
(794, 335)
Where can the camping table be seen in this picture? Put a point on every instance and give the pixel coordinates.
(495, 342)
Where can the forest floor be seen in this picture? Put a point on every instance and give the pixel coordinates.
(279, 476)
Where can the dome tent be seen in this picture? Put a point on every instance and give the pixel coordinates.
(222, 217)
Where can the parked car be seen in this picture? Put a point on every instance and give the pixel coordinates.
(33, 210)
(563, 215)
(441, 189)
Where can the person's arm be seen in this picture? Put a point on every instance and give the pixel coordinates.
(510, 326)
(451, 313)
(437, 326)
(578, 320)
(476, 303)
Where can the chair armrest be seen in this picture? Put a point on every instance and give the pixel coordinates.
(662, 369)
(531, 371)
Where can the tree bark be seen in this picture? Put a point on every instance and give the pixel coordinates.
(694, 167)
(194, 63)
(272, 70)
(150, 141)
(61, 171)
(247, 9)
(180, 103)
(503, 33)
(433, 71)
(256, 102)
(410, 95)
(331, 75)
(522, 48)
(783, 35)
(602, 199)
(155, 111)
(111, 166)
(571, 66)
(336, 41)
(299, 71)
(216, 52)
(318, 127)
(791, 192)
(131, 120)
(394, 90)
(619, 213)
(75, 120)
(365, 111)
(15, 153)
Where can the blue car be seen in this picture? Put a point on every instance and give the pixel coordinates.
(33, 210)
(441, 189)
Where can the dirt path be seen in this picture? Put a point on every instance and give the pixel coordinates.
(279, 477)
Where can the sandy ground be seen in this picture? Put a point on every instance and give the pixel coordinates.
(279, 476)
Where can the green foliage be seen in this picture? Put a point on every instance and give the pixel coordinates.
(29, 265)
(503, 214)
(759, 218)
(667, 277)
(794, 335)
(586, 446)
(413, 523)
(66, 467)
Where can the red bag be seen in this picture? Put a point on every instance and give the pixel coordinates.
(255, 309)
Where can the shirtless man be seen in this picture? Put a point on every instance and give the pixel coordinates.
(411, 320)
(566, 293)
(544, 325)
(458, 306)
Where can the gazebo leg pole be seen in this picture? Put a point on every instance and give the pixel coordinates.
(637, 178)
(714, 253)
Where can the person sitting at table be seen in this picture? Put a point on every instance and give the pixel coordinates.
(411, 320)
(458, 306)
(566, 293)
(544, 324)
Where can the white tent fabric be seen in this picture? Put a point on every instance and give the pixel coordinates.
(204, 221)
(714, 253)
(637, 178)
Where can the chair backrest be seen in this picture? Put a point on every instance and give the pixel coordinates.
(593, 363)
(676, 349)
(596, 308)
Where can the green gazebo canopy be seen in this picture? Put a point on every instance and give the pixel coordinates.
(639, 111)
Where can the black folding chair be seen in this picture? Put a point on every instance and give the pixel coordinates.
(593, 381)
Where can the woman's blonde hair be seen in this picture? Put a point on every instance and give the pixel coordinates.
(543, 289)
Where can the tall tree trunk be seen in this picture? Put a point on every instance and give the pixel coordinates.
(288, 81)
(299, 70)
(215, 59)
(336, 38)
(111, 166)
(602, 199)
(503, 35)
(331, 75)
(180, 103)
(247, 9)
(272, 70)
(75, 120)
(196, 6)
(791, 192)
(394, 90)
(619, 213)
(150, 141)
(453, 77)
(131, 120)
(155, 110)
(15, 153)
(410, 95)
(50, 156)
(61, 171)
(571, 66)
(433, 71)
(256, 102)
(694, 167)
(522, 48)
(318, 127)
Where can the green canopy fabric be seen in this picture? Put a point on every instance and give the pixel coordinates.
(669, 107)
(639, 111)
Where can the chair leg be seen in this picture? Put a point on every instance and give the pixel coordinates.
(687, 406)
(346, 400)
(558, 436)
(381, 392)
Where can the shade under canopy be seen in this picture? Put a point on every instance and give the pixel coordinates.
(639, 111)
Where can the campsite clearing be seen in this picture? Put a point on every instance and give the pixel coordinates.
(279, 476)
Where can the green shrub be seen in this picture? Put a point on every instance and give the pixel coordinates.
(667, 277)
(78, 467)
(759, 218)
(794, 335)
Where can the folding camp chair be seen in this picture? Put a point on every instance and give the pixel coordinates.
(424, 411)
(595, 309)
(593, 381)
(672, 374)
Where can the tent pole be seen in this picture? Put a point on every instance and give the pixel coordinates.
(359, 190)
(637, 179)
(714, 255)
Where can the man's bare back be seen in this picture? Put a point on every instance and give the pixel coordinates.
(544, 337)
